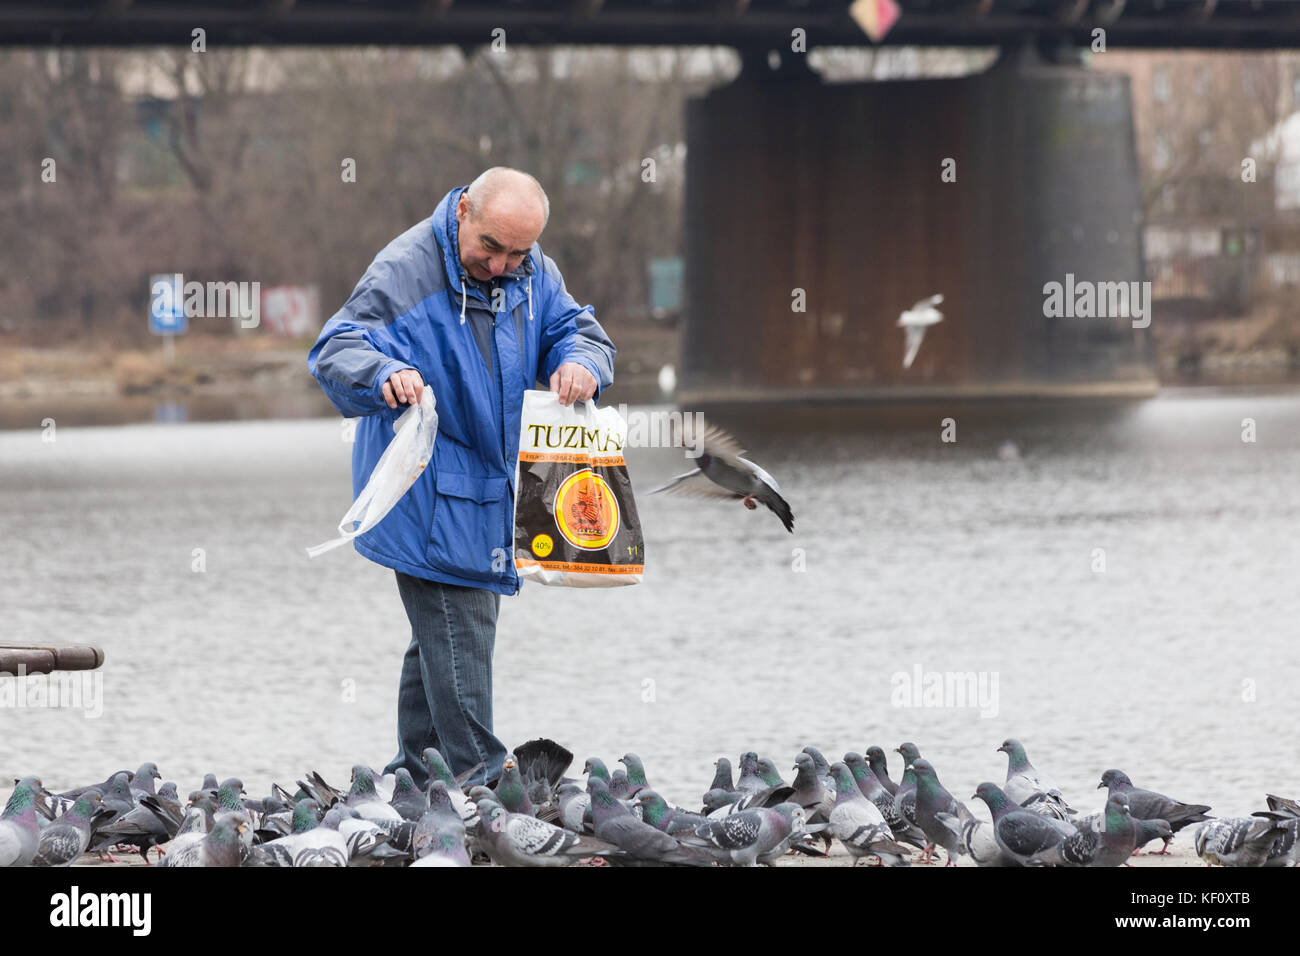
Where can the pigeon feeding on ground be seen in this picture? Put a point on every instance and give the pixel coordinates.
(1109, 844)
(752, 837)
(1149, 805)
(914, 322)
(1021, 834)
(722, 472)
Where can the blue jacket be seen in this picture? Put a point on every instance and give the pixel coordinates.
(417, 308)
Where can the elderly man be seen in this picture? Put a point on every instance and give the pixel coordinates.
(465, 303)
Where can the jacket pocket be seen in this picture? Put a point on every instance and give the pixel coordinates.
(468, 538)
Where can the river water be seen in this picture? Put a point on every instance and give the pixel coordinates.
(1128, 574)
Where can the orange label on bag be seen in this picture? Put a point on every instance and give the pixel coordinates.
(586, 511)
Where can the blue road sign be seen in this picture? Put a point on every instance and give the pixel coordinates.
(166, 305)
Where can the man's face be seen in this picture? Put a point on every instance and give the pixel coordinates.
(498, 239)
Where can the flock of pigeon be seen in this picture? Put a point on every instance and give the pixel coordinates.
(535, 816)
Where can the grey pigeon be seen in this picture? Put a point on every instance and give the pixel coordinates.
(722, 472)
(1286, 848)
(809, 792)
(67, 838)
(931, 800)
(1020, 833)
(444, 846)
(153, 822)
(875, 791)
(310, 845)
(1148, 830)
(636, 777)
(717, 800)
(142, 781)
(408, 800)
(191, 832)
(977, 840)
(20, 834)
(542, 764)
(1107, 845)
(595, 767)
(102, 787)
(880, 767)
(574, 805)
(749, 781)
(858, 824)
(517, 839)
(820, 764)
(752, 837)
(440, 833)
(641, 842)
(671, 820)
(228, 844)
(722, 776)
(1149, 805)
(905, 796)
(438, 770)
(619, 785)
(511, 792)
(1027, 787)
(1237, 841)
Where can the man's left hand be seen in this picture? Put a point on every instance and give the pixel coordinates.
(573, 382)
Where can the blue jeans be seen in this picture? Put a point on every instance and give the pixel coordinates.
(444, 699)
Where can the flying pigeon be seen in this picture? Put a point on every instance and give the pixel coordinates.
(722, 472)
(915, 321)
(1026, 787)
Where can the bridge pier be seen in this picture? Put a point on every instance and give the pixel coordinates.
(839, 190)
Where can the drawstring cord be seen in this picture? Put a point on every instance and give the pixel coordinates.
(462, 298)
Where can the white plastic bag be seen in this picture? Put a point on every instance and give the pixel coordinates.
(576, 524)
(403, 461)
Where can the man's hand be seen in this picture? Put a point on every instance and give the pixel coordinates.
(404, 385)
(573, 383)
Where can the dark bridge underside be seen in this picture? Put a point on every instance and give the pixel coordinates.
(738, 23)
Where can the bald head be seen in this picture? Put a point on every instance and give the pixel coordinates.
(500, 216)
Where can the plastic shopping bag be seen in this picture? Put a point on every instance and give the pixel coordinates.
(575, 518)
(402, 462)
